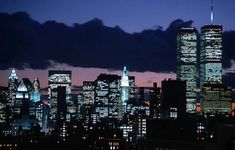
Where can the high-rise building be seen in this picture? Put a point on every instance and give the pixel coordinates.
(21, 104)
(216, 100)
(173, 99)
(124, 93)
(88, 100)
(4, 113)
(40, 113)
(34, 97)
(107, 95)
(61, 103)
(186, 64)
(141, 123)
(35, 93)
(81, 112)
(211, 55)
(131, 87)
(155, 101)
(61, 78)
(214, 95)
(132, 94)
(12, 87)
(88, 92)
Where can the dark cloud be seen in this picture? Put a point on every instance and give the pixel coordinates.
(228, 48)
(229, 79)
(28, 43)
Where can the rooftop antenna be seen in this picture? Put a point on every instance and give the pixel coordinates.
(212, 15)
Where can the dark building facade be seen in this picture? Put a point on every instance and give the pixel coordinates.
(173, 98)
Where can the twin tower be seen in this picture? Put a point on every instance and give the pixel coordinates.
(212, 97)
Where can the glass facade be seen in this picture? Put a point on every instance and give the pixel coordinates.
(21, 103)
(88, 90)
(186, 64)
(216, 99)
(211, 54)
(60, 78)
(107, 96)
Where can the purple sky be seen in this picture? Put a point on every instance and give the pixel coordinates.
(85, 74)
(130, 15)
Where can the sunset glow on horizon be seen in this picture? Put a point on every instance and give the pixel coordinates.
(80, 74)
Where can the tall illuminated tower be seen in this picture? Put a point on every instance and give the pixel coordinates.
(186, 64)
(60, 78)
(88, 91)
(12, 87)
(35, 93)
(211, 53)
(107, 95)
(215, 97)
(21, 103)
(124, 93)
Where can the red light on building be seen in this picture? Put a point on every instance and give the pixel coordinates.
(198, 107)
(233, 109)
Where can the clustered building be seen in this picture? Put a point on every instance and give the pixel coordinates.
(121, 112)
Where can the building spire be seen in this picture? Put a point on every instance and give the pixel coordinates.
(124, 78)
(212, 9)
(13, 75)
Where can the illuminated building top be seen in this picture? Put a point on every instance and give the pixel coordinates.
(35, 94)
(36, 84)
(212, 9)
(22, 87)
(13, 75)
(107, 95)
(59, 77)
(124, 79)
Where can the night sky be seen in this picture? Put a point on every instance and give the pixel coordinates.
(130, 15)
(94, 36)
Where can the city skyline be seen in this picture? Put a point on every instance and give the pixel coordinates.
(92, 85)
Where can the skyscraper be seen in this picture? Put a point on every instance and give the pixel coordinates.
(124, 93)
(173, 99)
(155, 101)
(88, 91)
(61, 78)
(186, 64)
(12, 87)
(216, 99)
(214, 95)
(34, 97)
(21, 103)
(4, 113)
(61, 103)
(107, 95)
(211, 54)
(35, 93)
